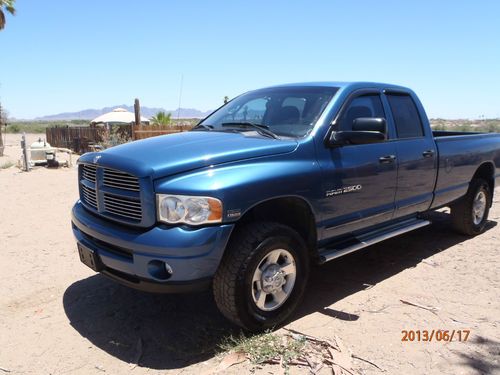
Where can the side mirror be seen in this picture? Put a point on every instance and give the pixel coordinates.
(364, 130)
(373, 124)
(344, 137)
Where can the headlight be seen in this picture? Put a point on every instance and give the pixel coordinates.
(176, 209)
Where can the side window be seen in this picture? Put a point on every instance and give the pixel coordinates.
(362, 106)
(406, 117)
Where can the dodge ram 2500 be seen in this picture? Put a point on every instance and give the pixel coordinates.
(274, 180)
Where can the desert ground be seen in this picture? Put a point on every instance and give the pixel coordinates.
(58, 317)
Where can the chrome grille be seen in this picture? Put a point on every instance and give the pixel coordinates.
(89, 196)
(120, 180)
(121, 206)
(112, 193)
(89, 172)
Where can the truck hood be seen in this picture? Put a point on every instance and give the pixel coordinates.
(170, 154)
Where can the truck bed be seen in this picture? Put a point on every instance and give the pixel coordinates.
(460, 155)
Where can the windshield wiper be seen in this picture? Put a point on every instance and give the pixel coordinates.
(261, 128)
(204, 127)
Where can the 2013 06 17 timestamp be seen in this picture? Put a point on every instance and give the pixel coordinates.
(439, 335)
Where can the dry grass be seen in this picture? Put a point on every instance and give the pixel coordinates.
(6, 164)
(266, 347)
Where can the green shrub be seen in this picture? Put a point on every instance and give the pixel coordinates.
(464, 128)
(13, 128)
(439, 127)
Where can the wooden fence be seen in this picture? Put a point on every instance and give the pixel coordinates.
(147, 131)
(82, 139)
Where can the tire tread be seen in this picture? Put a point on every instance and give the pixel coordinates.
(234, 263)
(461, 211)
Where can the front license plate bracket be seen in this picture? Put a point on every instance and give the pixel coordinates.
(89, 257)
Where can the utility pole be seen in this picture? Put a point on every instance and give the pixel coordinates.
(180, 98)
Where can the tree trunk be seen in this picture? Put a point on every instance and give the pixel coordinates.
(1, 126)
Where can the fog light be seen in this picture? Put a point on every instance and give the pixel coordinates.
(168, 269)
(160, 270)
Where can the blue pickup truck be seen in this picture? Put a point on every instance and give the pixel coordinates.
(274, 181)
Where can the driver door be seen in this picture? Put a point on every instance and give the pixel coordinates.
(359, 180)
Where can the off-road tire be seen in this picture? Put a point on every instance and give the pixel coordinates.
(232, 285)
(461, 211)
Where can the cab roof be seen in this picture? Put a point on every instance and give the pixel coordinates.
(350, 85)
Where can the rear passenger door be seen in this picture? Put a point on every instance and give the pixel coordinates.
(416, 154)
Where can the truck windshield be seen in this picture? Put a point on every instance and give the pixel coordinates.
(284, 111)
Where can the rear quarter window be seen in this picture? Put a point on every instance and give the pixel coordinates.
(406, 116)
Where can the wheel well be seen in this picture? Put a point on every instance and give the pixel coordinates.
(291, 211)
(487, 172)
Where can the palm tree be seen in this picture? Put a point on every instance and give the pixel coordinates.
(9, 7)
(161, 118)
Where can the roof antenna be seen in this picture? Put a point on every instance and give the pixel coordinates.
(180, 97)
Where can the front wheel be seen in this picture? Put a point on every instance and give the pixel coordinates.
(262, 276)
(470, 214)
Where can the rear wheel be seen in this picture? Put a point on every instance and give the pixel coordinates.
(470, 214)
(262, 276)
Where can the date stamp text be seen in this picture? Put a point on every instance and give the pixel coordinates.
(439, 335)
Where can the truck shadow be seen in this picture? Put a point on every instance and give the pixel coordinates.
(366, 268)
(174, 331)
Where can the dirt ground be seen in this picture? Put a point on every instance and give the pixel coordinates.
(59, 317)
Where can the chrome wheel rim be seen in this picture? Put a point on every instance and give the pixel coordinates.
(478, 207)
(273, 280)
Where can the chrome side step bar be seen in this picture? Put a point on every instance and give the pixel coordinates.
(370, 238)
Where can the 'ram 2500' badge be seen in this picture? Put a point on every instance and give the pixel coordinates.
(231, 214)
(343, 190)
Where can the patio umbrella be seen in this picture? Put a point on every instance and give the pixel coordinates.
(117, 116)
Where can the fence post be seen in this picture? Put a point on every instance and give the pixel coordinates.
(24, 146)
(137, 112)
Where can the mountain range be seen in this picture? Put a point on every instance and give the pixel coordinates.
(89, 114)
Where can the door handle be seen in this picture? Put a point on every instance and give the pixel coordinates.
(387, 159)
(428, 153)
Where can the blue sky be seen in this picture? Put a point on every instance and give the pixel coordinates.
(59, 56)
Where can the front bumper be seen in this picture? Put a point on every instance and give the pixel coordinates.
(127, 254)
